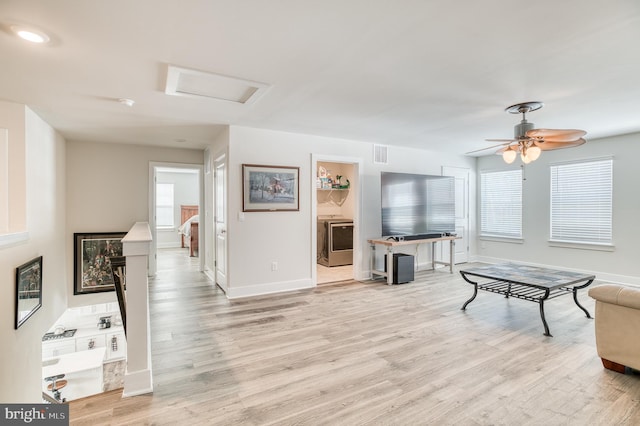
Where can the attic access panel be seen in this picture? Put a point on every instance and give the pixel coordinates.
(200, 84)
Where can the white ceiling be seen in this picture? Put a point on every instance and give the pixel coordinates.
(421, 73)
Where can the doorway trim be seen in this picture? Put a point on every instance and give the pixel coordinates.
(153, 168)
(462, 172)
(220, 196)
(356, 186)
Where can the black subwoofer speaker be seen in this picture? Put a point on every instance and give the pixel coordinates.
(402, 268)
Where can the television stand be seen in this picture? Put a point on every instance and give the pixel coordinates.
(390, 246)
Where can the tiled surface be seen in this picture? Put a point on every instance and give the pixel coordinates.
(528, 275)
(335, 273)
(113, 375)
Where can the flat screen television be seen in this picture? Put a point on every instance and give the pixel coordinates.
(417, 205)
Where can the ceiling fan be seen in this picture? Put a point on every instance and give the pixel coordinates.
(530, 142)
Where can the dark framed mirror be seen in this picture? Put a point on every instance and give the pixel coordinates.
(28, 290)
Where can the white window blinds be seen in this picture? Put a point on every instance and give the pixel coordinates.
(581, 202)
(501, 203)
(164, 205)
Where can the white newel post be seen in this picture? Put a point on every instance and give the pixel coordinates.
(136, 246)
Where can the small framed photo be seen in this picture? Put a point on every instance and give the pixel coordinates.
(270, 188)
(28, 290)
(92, 272)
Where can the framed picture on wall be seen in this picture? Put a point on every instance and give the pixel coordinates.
(28, 290)
(92, 271)
(270, 188)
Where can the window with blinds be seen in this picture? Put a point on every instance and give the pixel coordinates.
(164, 205)
(501, 203)
(581, 202)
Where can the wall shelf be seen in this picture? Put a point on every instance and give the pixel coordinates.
(335, 196)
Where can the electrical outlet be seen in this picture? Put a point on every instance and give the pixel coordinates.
(274, 266)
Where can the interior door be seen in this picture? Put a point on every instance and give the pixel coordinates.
(220, 219)
(461, 176)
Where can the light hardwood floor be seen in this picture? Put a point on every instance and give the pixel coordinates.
(366, 353)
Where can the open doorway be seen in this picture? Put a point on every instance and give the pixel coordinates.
(336, 216)
(175, 202)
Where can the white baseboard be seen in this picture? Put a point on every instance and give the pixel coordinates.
(210, 273)
(137, 383)
(236, 292)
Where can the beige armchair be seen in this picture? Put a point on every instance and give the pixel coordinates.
(617, 321)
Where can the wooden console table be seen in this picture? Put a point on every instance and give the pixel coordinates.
(390, 246)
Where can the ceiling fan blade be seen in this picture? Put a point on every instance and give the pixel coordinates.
(489, 147)
(550, 145)
(501, 140)
(556, 134)
(556, 139)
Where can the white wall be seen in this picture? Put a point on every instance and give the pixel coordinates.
(618, 265)
(21, 355)
(108, 191)
(12, 169)
(286, 237)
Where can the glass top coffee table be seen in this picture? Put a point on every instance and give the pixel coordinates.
(527, 282)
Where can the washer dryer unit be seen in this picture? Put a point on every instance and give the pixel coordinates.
(335, 241)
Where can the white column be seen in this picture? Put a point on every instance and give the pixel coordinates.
(136, 246)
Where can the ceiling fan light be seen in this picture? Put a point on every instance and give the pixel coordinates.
(534, 153)
(509, 156)
(525, 158)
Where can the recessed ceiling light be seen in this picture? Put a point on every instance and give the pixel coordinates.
(30, 34)
(127, 102)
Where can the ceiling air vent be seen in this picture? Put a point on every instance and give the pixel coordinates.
(200, 84)
(380, 154)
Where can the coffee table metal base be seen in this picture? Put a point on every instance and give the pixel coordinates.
(532, 291)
